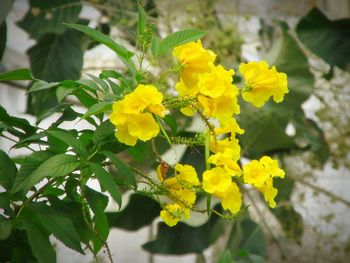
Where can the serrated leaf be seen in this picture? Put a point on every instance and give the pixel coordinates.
(55, 166)
(97, 108)
(96, 200)
(48, 16)
(135, 216)
(8, 171)
(59, 225)
(106, 181)
(18, 74)
(125, 174)
(178, 38)
(328, 39)
(70, 140)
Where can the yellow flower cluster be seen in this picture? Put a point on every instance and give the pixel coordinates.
(133, 117)
(181, 190)
(261, 83)
(260, 174)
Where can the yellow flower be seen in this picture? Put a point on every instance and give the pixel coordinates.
(194, 60)
(224, 160)
(172, 214)
(185, 90)
(118, 115)
(143, 126)
(261, 83)
(215, 82)
(231, 198)
(255, 173)
(222, 107)
(269, 192)
(183, 196)
(216, 180)
(229, 126)
(228, 145)
(123, 135)
(272, 166)
(186, 174)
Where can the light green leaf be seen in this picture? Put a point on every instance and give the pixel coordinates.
(103, 39)
(8, 171)
(48, 16)
(42, 85)
(62, 92)
(155, 46)
(179, 38)
(59, 225)
(18, 74)
(97, 108)
(69, 139)
(125, 174)
(141, 21)
(56, 166)
(100, 82)
(225, 257)
(103, 132)
(107, 182)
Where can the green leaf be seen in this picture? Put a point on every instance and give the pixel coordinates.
(103, 132)
(328, 39)
(103, 39)
(107, 182)
(125, 82)
(135, 216)
(42, 85)
(102, 228)
(124, 173)
(100, 107)
(96, 200)
(178, 38)
(48, 16)
(248, 236)
(5, 228)
(6, 6)
(171, 122)
(40, 243)
(3, 38)
(70, 140)
(62, 92)
(18, 74)
(155, 46)
(225, 257)
(56, 166)
(8, 171)
(249, 258)
(59, 225)
(141, 21)
(100, 83)
(182, 239)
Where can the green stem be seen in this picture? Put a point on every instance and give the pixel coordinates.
(207, 165)
(163, 130)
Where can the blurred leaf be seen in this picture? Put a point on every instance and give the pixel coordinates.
(135, 216)
(6, 6)
(48, 16)
(3, 37)
(225, 257)
(42, 85)
(155, 46)
(141, 21)
(244, 257)
(59, 225)
(182, 238)
(55, 166)
(171, 122)
(18, 74)
(291, 221)
(106, 181)
(8, 171)
(178, 38)
(285, 188)
(328, 39)
(70, 140)
(248, 236)
(5, 227)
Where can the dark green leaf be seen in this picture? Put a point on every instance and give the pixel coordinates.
(103, 132)
(178, 38)
(135, 216)
(100, 107)
(102, 229)
(5, 9)
(107, 182)
(97, 201)
(62, 92)
(8, 171)
(328, 39)
(103, 39)
(249, 258)
(48, 16)
(171, 122)
(18, 74)
(56, 166)
(3, 38)
(70, 140)
(5, 227)
(181, 239)
(59, 225)
(124, 173)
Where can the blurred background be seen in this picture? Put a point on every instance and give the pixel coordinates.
(309, 132)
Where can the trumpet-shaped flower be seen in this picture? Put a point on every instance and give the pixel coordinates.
(269, 192)
(272, 166)
(255, 173)
(261, 83)
(225, 160)
(186, 174)
(229, 146)
(229, 126)
(172, 214)
(231, 198)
